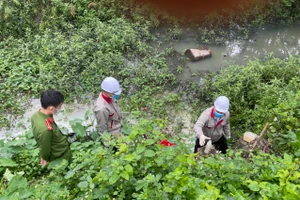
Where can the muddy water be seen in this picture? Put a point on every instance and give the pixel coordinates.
(281, 42)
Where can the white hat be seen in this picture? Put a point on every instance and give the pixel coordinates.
(222, 104)
(111, 85)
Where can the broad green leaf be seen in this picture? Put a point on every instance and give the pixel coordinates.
(181, 158)
(6, 152)
(149, 153)
(69, 174)
(8, 175)
(83, 184)
(298, 135)
(129, 169)
(25, 193)
(139, 186)
(125, 175)
(58, 164)
(7, 162)
(77, 127)
(92, 185)
(159, 160)
(296, 144)
(254, 186)
(292, 189)
(76, 144)
(20, 193)
(133, 134)
(78, 167)
(16, 2)
(16, 183)
(114, 178)
(191, 161)
(210, 161)
(231, 188)
(129, 157)
(297, 153)
(140, 149)
(168, 189)
(158, 176)
(19, 142)
(149, 142)
(178, 171)
(89, 179)
(123, 147)
(35, 152)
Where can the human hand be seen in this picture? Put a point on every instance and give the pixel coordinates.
(228, 136)
(72, 137)
(202, 139)
(71, 134)
(43, 162)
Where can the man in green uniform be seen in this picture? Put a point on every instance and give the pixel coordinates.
(52, 143)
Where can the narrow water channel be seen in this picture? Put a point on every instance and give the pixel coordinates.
(281, 42)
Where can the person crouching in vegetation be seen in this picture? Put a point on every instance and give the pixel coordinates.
(213, 124)
(108, 113)
(51, 142)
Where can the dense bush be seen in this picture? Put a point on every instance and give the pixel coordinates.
(77, 60)
(142, 169)
(261, 92)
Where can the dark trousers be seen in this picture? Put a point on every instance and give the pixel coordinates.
(115, 149)
(220, 145)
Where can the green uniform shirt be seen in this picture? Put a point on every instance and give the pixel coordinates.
(52, 143)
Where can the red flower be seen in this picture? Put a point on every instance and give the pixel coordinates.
(166, 143)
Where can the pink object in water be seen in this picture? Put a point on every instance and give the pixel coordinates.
(198, 54)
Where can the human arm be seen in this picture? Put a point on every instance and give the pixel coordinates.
(45, 145)
(226, 128)
(198, 128)
(102, 120)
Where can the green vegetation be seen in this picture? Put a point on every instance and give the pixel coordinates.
(77, 59)
(261, 92)
(72, 45)
(142, 169)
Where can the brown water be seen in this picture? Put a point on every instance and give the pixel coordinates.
(281, 42)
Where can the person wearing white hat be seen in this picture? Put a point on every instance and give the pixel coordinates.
(213, 124)
(107, 111)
